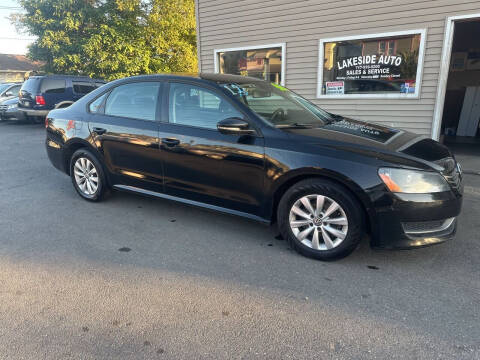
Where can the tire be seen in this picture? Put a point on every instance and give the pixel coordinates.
(95, 187)
(346, 222)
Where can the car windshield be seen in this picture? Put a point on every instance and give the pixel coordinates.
(278, 105)
(3, 87)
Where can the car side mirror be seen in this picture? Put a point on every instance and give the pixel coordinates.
(235, 126)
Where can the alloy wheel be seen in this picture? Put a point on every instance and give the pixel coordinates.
(86, 176)
(318, 222)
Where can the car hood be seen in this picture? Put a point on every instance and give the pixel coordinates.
(353, 135)
(4, 100)
(10, 101)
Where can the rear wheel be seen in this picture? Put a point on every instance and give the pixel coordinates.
(87, 175)
(320, 219)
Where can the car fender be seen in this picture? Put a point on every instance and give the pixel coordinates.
(282, 183)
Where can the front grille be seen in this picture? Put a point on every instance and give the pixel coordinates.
(3, 107)
(427, 227)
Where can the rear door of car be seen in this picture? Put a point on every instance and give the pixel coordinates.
(124, 128)
(202, 164)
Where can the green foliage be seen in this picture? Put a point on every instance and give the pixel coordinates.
(111, 38)
(408, 68)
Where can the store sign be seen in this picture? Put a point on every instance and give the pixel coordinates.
(371, 65)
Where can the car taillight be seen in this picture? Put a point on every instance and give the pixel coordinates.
(39, 100)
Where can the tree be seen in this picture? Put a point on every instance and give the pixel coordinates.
(111, 38)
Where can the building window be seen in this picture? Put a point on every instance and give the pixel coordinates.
(265, 62)
(379, 65)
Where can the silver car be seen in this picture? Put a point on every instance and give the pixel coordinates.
(9, 91)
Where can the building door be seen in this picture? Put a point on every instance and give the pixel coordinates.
(458, 125)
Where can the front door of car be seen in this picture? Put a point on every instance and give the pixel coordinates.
(204, 165)
(124, 128)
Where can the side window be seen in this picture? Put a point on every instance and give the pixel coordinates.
(197, 106)
(13, 90)
(53, 86)
(82, 87)
(135, 100)
(94, 107)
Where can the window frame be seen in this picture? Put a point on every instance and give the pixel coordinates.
(9, 89)
(159, 113)
(218, 92)
(74, 82)
(283, 46)
(42, 89)
(420, 65)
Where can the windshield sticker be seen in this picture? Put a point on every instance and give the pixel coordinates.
(235, 89)
(279, 87)
(369, 131)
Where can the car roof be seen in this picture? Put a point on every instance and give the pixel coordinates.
(57, 76)
(210, 77)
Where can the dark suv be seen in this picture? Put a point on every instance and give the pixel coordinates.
(247, 147)
(40, 94)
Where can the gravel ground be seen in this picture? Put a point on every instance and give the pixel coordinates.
(141, 278)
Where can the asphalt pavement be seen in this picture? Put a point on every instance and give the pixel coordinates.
(142, 278)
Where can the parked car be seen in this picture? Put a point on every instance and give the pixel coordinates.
(9, 91)
(40, 94)
(9, 110)
(246, 147)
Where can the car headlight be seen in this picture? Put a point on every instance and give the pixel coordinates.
(412, 181)
(12, 106)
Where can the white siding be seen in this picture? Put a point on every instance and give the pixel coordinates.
(300, 24)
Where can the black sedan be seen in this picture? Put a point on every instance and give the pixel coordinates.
(247, 147)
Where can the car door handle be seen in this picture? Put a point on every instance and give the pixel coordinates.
(99, 131)
(170, 141)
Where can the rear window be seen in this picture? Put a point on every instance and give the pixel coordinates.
(82, 87)
(134, 100)
(53, 86)
(31, 85)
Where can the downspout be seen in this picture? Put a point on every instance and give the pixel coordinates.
(197, 18)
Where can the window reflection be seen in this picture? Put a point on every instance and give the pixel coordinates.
(264, 64)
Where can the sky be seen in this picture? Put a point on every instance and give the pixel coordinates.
(11, 42)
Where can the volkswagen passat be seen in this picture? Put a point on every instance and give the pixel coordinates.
(247, 147)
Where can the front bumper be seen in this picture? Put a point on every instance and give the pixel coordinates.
(405, 221)
(12, 115)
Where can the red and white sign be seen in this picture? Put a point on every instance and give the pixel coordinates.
(335, 88)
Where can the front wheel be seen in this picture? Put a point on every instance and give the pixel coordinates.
(320, 219)
(87, 175)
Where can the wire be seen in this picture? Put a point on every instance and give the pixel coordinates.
(13, 38)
